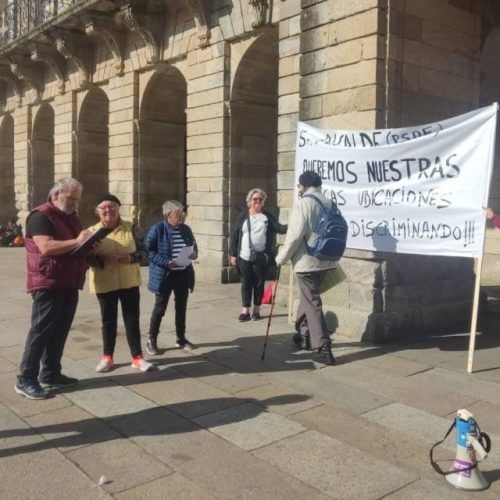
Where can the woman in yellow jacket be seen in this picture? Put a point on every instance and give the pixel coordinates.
(115, 276)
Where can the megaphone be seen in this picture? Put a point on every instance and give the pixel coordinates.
(471, 445)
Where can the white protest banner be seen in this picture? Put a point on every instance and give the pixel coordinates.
(415, 190)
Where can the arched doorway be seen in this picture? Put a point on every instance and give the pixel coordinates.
(162, 144)
(92, 162)
(42, 155)
(254, 120)
(7, 194)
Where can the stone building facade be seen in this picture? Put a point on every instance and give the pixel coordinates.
(198, 100)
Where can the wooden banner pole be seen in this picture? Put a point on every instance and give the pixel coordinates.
(475, 314)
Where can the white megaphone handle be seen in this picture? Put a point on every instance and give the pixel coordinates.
(478, 448)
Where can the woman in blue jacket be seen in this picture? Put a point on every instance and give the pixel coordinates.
(167, 273)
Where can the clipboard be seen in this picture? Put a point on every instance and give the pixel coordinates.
(87, 245)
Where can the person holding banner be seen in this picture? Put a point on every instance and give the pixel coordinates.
(250, 248)
(492, 217)
(309, 270)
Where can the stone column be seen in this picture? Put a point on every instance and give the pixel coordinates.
(123, 97)
(64, 134)
(22, 157)
(207, 161)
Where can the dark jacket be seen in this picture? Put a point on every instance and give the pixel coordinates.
(159, 246)
(55, 271)
(273, 228)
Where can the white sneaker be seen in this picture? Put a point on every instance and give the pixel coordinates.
(141, 364)
(105, 364)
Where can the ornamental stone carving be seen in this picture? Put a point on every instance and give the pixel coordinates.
(73, 46)
(200, 10)
(99, 24)
(42, 53)
(260, 8)
(148, 27)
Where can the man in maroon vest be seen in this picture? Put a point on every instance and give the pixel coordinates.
(53, 230)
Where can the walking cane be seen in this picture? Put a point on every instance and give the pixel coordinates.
(278, 269)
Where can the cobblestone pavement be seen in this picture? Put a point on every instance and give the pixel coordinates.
(218, 422)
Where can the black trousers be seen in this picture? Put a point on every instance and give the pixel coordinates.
(129, 299)
(177, 282)
(253, 279)
(51, 316)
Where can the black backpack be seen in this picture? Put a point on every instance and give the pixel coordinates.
(331, 233)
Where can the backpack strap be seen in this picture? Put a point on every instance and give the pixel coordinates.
(314, 197)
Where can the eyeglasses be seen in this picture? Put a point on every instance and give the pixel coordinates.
(257, 199)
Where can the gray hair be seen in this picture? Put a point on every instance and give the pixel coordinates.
(258, 191)
(172, 206)
(63, 185)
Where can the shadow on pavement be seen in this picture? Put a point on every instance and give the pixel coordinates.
(162, 420)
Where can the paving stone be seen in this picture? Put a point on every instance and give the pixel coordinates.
(44, 474)
(218, 376)
(123, 463)
(430, 490)
(279, 400)
(328, 389)
(15, 436)
(394, 446)
(70, 428)
(7, 366)
(9, 336)
(487, 415)
(175, 486)
(186, 397)
(249, 426)
(395, 365)
(412, 421)
(23, 406)
(335, 468)
(407, 390)
(224, 469)
(463, 383)
(109, 400)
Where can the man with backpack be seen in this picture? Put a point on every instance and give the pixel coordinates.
(301, 241)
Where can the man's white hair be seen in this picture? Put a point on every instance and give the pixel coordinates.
(65, 184)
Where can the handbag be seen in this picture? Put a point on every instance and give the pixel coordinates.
(267, 297)
(261, 259)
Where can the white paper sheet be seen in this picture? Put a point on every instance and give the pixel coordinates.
(183, 260)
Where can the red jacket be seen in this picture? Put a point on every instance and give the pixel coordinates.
(55, 271)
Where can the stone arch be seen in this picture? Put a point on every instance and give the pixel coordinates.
(490, 92)
(7, 193)
(254, 121)
(92, 162)
(161, 166)
(42, 154)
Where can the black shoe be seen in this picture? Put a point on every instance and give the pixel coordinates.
(324, 355)
(256, 316)
(302, 341)
(185, 344)
(152, 346)
(244, 317)
(59, 382)
(31, 390)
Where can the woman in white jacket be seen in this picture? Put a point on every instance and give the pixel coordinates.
(309, 270)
